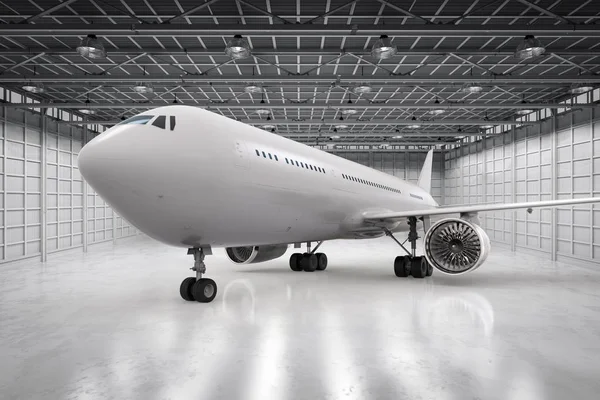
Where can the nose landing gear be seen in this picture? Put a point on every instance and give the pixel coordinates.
(203, 290)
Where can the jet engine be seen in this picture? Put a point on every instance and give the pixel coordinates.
(255, 254)
(456, 246)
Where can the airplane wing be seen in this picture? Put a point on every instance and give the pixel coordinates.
(462, 209)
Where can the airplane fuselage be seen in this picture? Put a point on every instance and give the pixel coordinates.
(213, 181)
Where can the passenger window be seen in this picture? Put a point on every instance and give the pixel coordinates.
(275, 155)
(160, 122)
(270, 156)
(172, 121)
(297, 165)
(257, 152)
(264, 155)
(311, 168)
(286, 161)
(137, 120)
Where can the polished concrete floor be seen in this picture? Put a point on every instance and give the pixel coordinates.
(111, 325)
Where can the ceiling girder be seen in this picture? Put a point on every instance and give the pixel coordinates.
(295, 30)
(47, 11)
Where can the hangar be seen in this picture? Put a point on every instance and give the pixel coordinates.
(506, 94)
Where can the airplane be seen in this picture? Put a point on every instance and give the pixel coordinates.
(191, 178)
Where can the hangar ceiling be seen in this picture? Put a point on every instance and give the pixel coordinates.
(311, 73)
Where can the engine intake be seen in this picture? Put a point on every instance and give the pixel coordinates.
(255, 254)
(456, 246)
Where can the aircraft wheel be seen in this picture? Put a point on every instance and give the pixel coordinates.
(204, 290)
(309, 262)
(429, 267)
(185, 290)
(295, 262)
(418, 267)
(400, 267)
(321, 261)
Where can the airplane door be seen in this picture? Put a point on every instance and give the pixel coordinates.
(241, 154)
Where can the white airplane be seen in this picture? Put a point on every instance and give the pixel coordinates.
(191, 178)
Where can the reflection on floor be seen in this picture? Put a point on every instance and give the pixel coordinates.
(111, 324)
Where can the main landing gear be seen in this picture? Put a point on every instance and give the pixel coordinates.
(197, 288)
(411, 264)
(309, 261)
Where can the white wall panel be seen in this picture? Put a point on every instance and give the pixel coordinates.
(21, 189)
(536, 163)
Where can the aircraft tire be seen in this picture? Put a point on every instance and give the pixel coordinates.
(309, 262)
(400, 268)
(185, 290)
(429, 267)
(295, 262)
(321, 261)
(204, 290)
(418, 267)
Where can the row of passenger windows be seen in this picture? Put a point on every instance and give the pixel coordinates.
(290, 161)
(365, 182)
(159, 122)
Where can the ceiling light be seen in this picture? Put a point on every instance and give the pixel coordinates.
(436, 111)
(487, 126)
(238, 48)
(471, 87)
(524, 111)
(576, 88)
(34, 88)
(87, 111)
(91, 47)
(263, 111)
(397, 137)
(341, 126)
(334, 137)
(362, 88)
(143, 88)
(530, 47)
(383, 48)
(414, 126)
(253, 89)
(349, 111)
(268, 126)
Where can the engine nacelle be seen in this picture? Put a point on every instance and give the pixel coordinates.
(456, 246)
(255, 254)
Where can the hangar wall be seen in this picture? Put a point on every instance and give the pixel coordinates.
(404, 165)
(557, 159)
(45, 206)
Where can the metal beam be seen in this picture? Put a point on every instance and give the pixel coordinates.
(294, 30)
(198, 51)
(330, 12)
(412, 80)
(471, 63)
(546, 11)
(263, 11)
(404, 11)
(22, 63)
(582, 67)
(190, 11)
(121, 64)
(47, 11)
(247, 105)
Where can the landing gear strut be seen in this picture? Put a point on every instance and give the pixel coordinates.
(309, 261)
(411, 264)
(197, 288)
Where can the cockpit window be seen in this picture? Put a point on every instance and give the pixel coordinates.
(160, 122)
(138, 120)
(172, 119)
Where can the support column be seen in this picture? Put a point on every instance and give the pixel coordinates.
(554, 183)
(4, 195)
(44, 194)
(85, 196)
(513, 138)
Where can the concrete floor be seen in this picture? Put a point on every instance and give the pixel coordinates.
(111, 325)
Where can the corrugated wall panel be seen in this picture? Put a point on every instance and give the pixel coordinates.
(27, 153)
(538, 162)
